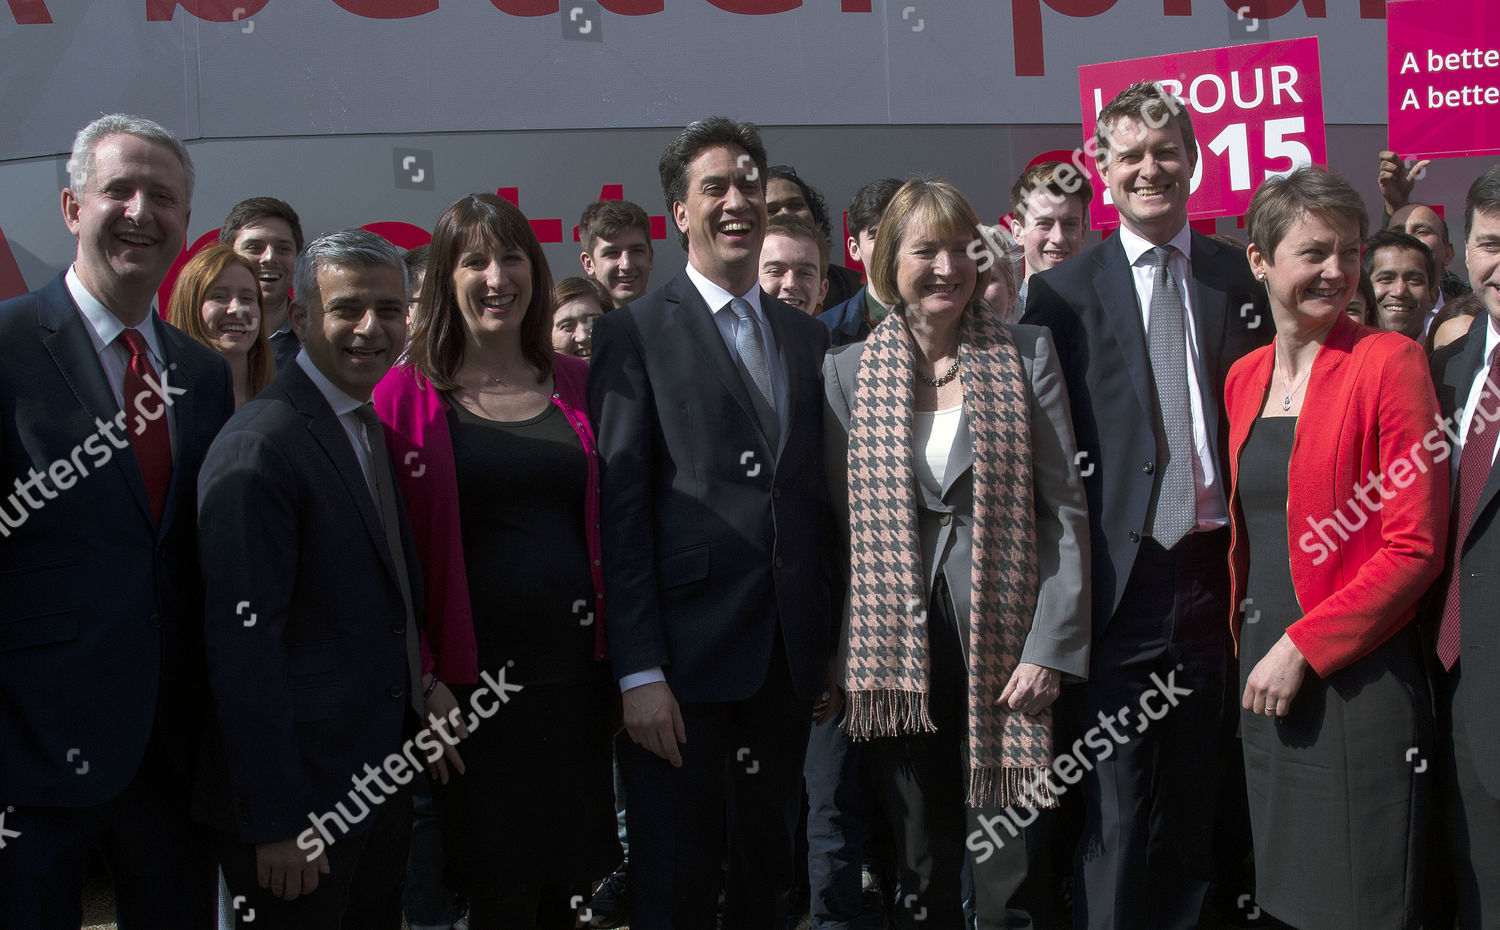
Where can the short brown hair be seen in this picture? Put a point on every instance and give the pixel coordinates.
(578, 287)
(438, 337)
(1145, 102)
(935, 202)
(1311, 189)
(609, 220)
(1056, 180)
(798, 227)
(255, 209)
(185, 308)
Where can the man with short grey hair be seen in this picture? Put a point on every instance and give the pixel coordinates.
(106, 413)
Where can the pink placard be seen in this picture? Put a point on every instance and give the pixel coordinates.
(1257, 111)
(1443, 58)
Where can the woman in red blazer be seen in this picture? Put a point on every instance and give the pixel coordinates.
(1339, 504)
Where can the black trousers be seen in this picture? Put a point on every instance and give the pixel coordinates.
(362, 890)
(741, 756)
(1145, 858)
(160, 860)
(1468, 816)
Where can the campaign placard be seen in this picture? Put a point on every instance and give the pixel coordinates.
(1443, 58)
(1257, 112)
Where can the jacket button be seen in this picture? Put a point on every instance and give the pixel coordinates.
(1134, 536)
(776, 492)
(1148, 468)
(777, 561)
(945, 519)
(398, 628)
(154, 622)
(396, 691)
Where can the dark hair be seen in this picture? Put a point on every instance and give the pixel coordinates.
(609, 220)
(439, 334)
(815, 202)
(798, 227)
(1396, 239)
(1149, 103)
(185, 308)
(578, 287)
(1484, 194)
(698, 136)
(1366, 292)
(870, 202)
(1467, 305)
(250, 211)
(1281, 201)
(416, 259)
(1055, 179)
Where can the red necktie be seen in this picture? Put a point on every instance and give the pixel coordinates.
(1473, 472)
(152, 442)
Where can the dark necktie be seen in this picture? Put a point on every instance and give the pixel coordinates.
(383, 489)
(150, 437)
(1175, 511)
(752, 352)
(1473, 472)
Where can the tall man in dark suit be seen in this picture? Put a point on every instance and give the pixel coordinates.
(1466, 634)
(106, 413)
(1147, 324)
(705, 394)
(310, 630)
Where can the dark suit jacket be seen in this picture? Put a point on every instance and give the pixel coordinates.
(315, 688)
(846, 321)
(1454, 368)
(1090, 305)
(102, 613)
(709, 535)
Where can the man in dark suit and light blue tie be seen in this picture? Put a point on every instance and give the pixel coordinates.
(310, 628)
(1147, 324)
(106, 413)
(1466, 635)
(706, 398)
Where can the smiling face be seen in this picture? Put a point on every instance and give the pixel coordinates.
(622, 265)
(573, 326)
(269, 245)
(356, 328)
(935, 275)
(790, 271)
(493, 289)
(1482, 251)
(231, 310)
(724, 216)
(1403, 294)
(1314, 272)
(130, 219)
(1053, 230)
(1149, 173)
(784, 196)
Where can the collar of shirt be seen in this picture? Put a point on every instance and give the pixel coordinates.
(1135, 246)
(104, 327)
(1491, 341)
(343, 407)
(718, 299)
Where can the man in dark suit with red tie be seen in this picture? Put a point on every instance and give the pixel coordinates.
(709, 411)
(106, 413)
(1466, 634)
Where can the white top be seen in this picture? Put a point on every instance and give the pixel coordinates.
(1207, 482)
(933, 432)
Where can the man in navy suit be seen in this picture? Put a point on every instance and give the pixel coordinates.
(1466, 638)
(706, 398)
(106, 413)
(311, 633)
(1147, 324)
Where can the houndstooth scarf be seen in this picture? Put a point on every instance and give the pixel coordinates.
(888, 671)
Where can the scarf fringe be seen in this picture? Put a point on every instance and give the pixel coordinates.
(1008, 786)
(887, 712)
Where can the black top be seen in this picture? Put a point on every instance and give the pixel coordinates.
(521, 490)
(1270, 599)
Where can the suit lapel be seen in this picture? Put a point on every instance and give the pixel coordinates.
(1115, 288)
(795, 357)
(689, 314)
(1458, 382)
(1210, 305)
(182, 371)
(73, 352)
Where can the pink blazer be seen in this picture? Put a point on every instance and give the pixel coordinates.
(416, 430)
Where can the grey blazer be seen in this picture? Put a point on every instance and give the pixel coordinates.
(1060, 630)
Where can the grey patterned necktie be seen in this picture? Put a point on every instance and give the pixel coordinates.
(1175, 510)
(751, 349)
(383, 490)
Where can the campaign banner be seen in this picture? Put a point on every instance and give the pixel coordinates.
(1257, 111)
(1443, 61)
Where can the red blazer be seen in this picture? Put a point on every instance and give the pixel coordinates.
(1367, 501)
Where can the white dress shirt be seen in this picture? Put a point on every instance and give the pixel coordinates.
(343, 407)
(1207, 482)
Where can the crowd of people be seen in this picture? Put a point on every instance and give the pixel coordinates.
(1015, 584)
